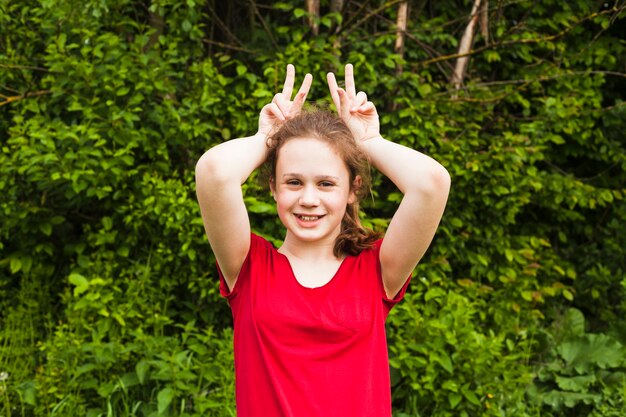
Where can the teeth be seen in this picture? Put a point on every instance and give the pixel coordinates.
(309, 218)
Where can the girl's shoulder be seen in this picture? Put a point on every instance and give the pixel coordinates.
(260, 242)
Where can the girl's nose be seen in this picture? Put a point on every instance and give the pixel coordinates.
(309, 197)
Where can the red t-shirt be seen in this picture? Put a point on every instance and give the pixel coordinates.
(302, 351)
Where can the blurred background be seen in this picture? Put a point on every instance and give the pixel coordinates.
(109, 302)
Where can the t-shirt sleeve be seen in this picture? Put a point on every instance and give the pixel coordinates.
(399, 296)
(389, 302)
(244, 273)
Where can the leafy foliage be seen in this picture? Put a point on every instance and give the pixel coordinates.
(108, 298)
(582, 370)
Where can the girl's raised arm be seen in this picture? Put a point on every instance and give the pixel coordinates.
(222, 170)
(422, 180)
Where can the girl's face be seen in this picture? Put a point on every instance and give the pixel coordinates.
(312, 189)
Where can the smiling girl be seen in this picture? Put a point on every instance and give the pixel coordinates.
(309, 317)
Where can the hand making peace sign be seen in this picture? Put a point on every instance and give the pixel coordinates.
(354, 109)
(282, 107)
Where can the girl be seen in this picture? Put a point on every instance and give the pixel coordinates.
(309, 317)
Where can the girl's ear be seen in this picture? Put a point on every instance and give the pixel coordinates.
(273, 188)
(356, 186)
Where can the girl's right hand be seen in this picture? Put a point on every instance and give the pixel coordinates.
(282, 108)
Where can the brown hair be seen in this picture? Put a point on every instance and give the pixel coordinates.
(326, 126)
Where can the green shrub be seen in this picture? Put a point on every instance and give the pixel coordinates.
(580, 373)
(109, 300)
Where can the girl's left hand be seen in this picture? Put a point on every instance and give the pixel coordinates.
(354, 109)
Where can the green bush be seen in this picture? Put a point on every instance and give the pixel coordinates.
(580, 372)
(109, 299)
(449, 363)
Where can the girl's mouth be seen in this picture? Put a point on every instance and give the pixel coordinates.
(308, 218)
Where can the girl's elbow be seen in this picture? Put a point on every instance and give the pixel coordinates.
(441, 179)
(434, 182)
(208, 167)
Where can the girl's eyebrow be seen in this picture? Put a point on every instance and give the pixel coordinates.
(317, 177)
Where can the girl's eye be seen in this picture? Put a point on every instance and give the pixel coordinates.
(326, 184)
(293, 182)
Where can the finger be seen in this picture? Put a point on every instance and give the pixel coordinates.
(332, 86)
(289, 79)
(300, 98)
(344, 104)
(361, 98)
(273, 110)
(349, 75)
(367, 108)
(282, 103)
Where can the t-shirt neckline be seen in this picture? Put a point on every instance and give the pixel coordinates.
(312, 289)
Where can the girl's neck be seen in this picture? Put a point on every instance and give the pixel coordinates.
(319, 251)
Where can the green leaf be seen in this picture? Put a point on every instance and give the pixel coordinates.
(85, 368)
(16, 265)
(129, 380)
(283, 6)
(454, 399)
(575, 383)
(434, 292)
(119, 319)
(57, 219)
(456, 222)
(592, 351)
(164, 399)
(46, 228)
(444, 360)
(78, 280)
(107, 223)
(470, 396)
(142, 369)
(492, 56)
(123, 251)
(568, 295)
(482, 259)
(424, 89)
(575, 322)
(122, 91)
(28, 392)
(450, 386)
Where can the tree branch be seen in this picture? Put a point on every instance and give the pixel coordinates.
(264, 24)
(464, 46)
(516, 41)
(484, 20)
(369, 15)
(25, 67)
(354, 15)
(401, 25)
(12, 99)
(525, 82)
(227, 46)
(313, 10)
(430, 51)
(223, 26)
